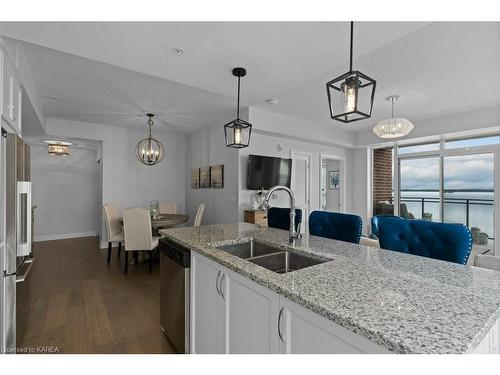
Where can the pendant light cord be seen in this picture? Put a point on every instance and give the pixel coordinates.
(150, 123)
(350, 59)
(392, 102)
(238, 107)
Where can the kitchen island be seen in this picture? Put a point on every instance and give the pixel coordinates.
(361, 299)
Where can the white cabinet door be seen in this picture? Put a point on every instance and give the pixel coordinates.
(251, 318)
(207, 307)
(11, 95)
(305, 332)
(5, 88)
(15, 115)
(232, 314)
(491, 341)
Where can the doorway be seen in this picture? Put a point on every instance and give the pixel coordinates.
(332, 183)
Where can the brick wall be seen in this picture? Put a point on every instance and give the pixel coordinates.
(382, 175)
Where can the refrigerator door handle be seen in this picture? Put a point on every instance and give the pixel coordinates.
(24, 218)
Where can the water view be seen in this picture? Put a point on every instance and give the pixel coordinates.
(472, 208)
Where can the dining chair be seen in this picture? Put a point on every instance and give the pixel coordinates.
(138, 234)
(168, 208)
(444, 241)
(113, 228)
(279, 218)
(335, 225)
(199, 215)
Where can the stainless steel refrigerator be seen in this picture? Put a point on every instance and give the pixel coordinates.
(17, 226)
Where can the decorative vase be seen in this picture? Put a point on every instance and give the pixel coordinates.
(154, 209)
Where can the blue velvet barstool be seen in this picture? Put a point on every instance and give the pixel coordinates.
(449, 242)
(377, 219)
(279, 218)
(337, 226)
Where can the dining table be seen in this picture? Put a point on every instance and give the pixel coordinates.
(166, 220)
(169, 220)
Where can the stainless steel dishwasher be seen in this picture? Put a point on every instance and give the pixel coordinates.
(175, 293)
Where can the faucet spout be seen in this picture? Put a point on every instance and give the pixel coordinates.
(293, 235)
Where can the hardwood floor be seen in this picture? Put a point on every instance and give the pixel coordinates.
(74, 302)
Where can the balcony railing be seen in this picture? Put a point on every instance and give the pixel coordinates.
(467, 202)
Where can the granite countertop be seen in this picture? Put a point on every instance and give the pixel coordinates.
(404, 303)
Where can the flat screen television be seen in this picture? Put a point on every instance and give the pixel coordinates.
(265, 172)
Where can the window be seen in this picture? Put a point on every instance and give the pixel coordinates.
(469, 194)
(454, 183)
(419, 188)
(419, 148)
(472, 142)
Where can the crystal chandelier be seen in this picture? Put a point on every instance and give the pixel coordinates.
(149, 151)
(394, 127)
(58, 149)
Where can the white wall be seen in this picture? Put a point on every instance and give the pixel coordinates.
(275, 124)
(267, 144)
(126, 182)
(207, 147)
(361, 185)
(66, 193)
(204, 148)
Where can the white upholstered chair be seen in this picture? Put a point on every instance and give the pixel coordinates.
(168, 208)
(199, 215)
(138, 233)
(113, 227)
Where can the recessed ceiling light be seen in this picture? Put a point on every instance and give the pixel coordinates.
(53, 97)
(272, 101)
(178, 51)
(54, 142)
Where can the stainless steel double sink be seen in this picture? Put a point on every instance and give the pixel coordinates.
(271, 257)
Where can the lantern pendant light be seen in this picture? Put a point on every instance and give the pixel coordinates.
(394, 127)
(351, 95)
(238, 131)
(149, 150)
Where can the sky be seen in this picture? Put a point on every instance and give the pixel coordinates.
(460, 172)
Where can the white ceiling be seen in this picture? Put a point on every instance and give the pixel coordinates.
(80, 89)
(436, 68)
(441, 69)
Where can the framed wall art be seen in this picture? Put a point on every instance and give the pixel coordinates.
(217, 176)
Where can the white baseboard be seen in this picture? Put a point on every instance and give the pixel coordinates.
(51, 237)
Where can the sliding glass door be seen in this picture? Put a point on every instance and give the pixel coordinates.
(469, 194)
(419, 188)
(444, 183)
